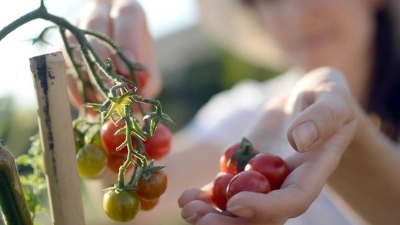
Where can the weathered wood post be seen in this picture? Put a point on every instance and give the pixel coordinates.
(55, 126)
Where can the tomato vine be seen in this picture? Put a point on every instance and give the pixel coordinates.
(117, 107)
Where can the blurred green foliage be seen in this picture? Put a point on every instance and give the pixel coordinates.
(17, 124)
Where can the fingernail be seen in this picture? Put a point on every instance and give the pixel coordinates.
(192, 217)
(304, 135)
(241, 211)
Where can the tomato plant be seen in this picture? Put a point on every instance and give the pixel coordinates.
(112, 141)
(121, 206)
(127, 123)
(158, 145)
(252, 181)
(218, 190)
(271, 166)
(91, 160)
(153, 186)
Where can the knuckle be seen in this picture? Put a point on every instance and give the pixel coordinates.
(331, 114)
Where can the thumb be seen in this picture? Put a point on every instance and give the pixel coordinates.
(326, 106)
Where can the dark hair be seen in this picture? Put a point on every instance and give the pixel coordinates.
(384, 97)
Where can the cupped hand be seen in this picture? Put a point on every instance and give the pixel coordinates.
(310, 127)
(124, 22)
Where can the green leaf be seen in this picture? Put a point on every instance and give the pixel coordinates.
(153, 125)
(139, 130)
(118, 104)
(166, 119)
(150, 115)
(93, 106)
(121, 131)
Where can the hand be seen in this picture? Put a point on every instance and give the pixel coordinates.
(317, 120)
(124, 22)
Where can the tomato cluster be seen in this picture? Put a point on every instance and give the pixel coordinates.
(97, 153)
(243, 168)
(124, 205)
(155, 147)
(122, 144)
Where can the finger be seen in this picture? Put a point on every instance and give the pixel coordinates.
(132, 35)
(76, 95)
(96, 20)
(99, 21)
(324, 107)
(195, 194)
(195, 210)
(217, 219)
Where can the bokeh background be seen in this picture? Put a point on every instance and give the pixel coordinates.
(193, 68)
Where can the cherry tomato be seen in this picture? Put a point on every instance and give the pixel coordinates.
(248, 181)
(158, 145)
(114, 162)
(121, 206)
(148, 205)
(223, 162)
(271, 166)
(220, 183)
(91, 160)
(111, 141)
(152, 188)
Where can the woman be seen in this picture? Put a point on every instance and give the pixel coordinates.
(357, 38)
(322, 114)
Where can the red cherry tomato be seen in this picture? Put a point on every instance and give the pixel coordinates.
(271, 166)
(223, 162)
(148, 205)
(220, 183)
(248, 181)
(111, 141)
(114, 162)
(152, 188)
(158, 145)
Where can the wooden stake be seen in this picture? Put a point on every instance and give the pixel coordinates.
(55, 126)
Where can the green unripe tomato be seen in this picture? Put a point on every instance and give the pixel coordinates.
(92, 160)
(121, 206)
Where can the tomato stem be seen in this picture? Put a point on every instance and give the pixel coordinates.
(12, 199)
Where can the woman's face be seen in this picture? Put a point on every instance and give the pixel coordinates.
(315, 33)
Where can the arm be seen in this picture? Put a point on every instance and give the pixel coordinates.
(368, 176)
(321, 101)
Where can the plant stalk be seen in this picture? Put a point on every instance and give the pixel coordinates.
(12, 199)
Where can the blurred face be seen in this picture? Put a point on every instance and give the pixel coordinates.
(315, 33)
